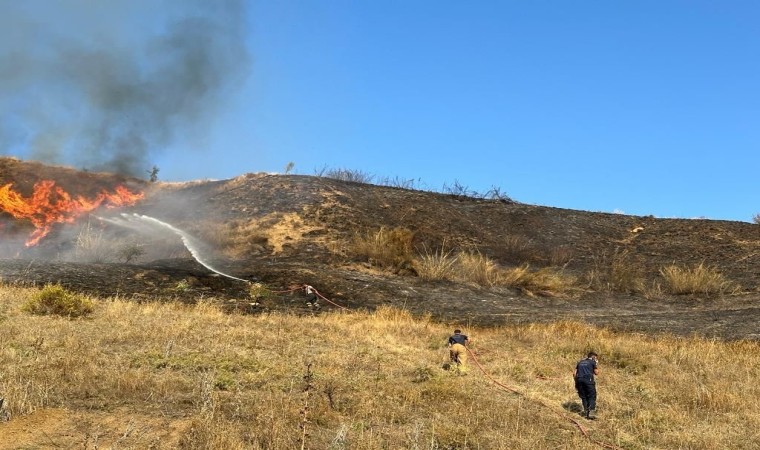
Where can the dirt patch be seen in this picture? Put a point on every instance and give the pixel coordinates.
(61, 428)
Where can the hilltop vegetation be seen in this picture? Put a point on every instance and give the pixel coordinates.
(169, 375)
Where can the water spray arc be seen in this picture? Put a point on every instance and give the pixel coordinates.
(142, 223)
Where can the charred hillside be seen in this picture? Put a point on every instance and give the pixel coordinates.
(290, 230)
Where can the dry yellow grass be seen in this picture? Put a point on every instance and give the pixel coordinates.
(174, 376)
(547, 281)
(387, 248)
(618, 272)
(473, 267)
(700, 279)
(436, 265)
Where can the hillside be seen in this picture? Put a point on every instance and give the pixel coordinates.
(175, 355)
(289, 230)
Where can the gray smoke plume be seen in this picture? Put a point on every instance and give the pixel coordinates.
(105, 85)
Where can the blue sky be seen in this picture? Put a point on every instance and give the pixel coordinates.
(646, 107)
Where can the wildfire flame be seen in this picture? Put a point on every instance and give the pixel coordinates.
(50, 204)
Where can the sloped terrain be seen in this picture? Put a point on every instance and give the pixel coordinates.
(290, 230)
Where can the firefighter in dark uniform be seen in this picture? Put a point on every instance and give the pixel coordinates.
(585, 384)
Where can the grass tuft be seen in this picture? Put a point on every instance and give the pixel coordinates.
(547, 281)
(700, 279)
(386, 248)
(436, 265)
(474, 267)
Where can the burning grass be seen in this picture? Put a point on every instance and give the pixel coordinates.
(178, 376)
(50, 204)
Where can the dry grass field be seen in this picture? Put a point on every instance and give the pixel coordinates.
(169, 375)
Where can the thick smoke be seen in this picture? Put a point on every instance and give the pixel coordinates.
(106, 85)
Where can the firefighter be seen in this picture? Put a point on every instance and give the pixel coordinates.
(458, 349)
(312, 300)
(585, 384)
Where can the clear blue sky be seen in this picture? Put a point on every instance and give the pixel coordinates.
(639, 107)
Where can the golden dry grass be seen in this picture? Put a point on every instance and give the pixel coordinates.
(436, 264)
(222, 381)
(700, 279)
(546, 281)
(618, 272)
(475, 268)
(386, 248)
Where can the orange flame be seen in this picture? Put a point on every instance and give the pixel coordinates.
(50, 204)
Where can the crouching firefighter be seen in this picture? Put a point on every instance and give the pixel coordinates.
(458, 349)
(585, 383)
(312, 300)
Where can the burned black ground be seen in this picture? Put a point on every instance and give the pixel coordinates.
(296, 226)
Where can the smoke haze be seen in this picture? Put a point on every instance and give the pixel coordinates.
(106, 85)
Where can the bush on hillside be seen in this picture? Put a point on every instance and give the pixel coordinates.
(54, 299)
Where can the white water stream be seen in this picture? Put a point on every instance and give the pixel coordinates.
(142, 223)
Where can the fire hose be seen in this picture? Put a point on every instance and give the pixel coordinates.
(316, 292)
(488, 376)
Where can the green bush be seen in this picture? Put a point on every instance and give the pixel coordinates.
(54, 299)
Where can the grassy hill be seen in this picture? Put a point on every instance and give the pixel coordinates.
(169, 354)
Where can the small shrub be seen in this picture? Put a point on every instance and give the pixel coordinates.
(425, 374)
(756, 218)
(182, 286)
(495, 193)
(698, 280)
(153, 174)
(54, 299)
(129, 252)
(397, 182)
(355, 176)
(458, 189)
(259, 291)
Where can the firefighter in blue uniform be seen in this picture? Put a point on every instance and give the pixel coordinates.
(585, 383)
